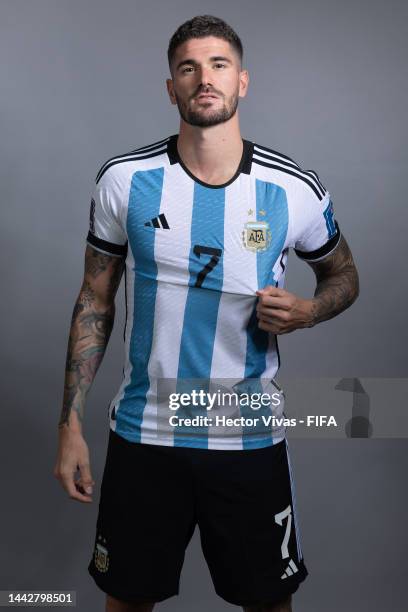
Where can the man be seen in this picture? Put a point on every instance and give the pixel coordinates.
(201, 221)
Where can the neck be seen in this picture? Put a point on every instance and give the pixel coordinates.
(212, 154)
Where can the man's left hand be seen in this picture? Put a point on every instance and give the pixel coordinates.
(280, 311)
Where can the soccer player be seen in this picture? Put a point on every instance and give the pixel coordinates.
(201, 222)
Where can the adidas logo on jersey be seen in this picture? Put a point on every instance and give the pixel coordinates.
(291, 569)
(159, 222)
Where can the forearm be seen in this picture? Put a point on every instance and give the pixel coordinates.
(334, 294)
(91, 326)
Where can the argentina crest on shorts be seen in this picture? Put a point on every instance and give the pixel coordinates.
(101, 556)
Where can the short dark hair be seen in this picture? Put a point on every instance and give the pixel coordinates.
(201, 26)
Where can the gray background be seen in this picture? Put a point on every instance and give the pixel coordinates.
(85, 80)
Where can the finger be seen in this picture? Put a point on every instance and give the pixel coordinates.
(273, 314)
(272, 308)
(273, 328)
(280, 319)
(80, 492)
(276, 301)
(270, 320)
(86, 478)
(67, 481)
(81, 487)
(268, 301)
(268, 327)
(271, 290)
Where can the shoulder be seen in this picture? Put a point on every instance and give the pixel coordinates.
(289, 170)
(119, 165)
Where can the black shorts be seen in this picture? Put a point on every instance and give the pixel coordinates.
(153, 496)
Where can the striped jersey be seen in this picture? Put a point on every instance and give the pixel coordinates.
(195, 256)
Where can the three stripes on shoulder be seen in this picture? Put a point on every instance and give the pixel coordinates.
(272, 159)
(156, 148)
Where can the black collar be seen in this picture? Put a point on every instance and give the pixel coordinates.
(244, 165)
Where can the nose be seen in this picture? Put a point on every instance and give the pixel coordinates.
(205, 76)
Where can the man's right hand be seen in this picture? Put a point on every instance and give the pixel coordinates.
(73, 455)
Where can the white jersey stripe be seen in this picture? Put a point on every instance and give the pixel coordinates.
(171, 296)
(237, 301)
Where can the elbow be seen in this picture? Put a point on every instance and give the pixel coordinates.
(356, 285)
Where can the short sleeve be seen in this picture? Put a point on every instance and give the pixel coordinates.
(106, 232)
(317, 232)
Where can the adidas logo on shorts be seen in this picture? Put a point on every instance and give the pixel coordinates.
(291, 569)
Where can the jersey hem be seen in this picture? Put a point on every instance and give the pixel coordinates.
(186, 442)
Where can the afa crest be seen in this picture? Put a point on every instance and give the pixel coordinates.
(101, 556)
(256, 236)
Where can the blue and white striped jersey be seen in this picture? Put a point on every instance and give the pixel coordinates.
(195, 256)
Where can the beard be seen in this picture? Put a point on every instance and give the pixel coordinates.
(204, 117)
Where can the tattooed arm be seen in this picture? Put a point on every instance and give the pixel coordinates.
(91, 326)
(337, 287)
(337, 283)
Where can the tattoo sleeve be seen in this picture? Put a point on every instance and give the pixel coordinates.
(337, 283)
(91, 326)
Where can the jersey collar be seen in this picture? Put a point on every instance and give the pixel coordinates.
(243, 167)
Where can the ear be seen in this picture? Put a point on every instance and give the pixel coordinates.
(170, 91)
(243, 83)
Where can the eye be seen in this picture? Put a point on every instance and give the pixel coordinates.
(187, 68)
(219, 64)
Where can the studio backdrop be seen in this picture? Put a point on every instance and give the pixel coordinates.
(83, 81)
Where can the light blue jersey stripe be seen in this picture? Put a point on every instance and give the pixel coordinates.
(202, 304)
(144, 203)
(271, 206)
